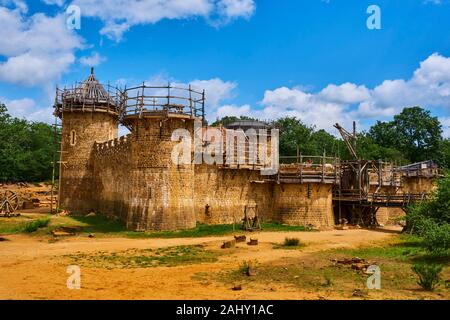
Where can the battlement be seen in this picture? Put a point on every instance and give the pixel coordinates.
(113, 146)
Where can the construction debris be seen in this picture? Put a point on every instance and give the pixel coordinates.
(355, 263)
(66, 231)
(240, 239)
(229, 244)
(360, 293)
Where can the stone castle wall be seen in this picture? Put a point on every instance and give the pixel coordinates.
(152, 194)
(80, 132)
(304, 204)
(111, 173)
(221, 195)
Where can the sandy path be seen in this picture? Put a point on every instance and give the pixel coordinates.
(33, 268)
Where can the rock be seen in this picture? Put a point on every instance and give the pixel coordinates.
(240, 238)
(237, 287)
(360, 266)
(360, 294)
(3, 239)
(91, 235)
(229, 244)
(91, 214)
(253, 242)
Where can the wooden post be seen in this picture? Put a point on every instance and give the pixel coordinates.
(301, 168)
(323, 166)
(203, 106)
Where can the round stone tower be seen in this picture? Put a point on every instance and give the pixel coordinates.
(89, 114)
(162, 193)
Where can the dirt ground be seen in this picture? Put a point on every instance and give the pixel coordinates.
(35, 268)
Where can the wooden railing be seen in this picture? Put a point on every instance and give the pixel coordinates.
(306, 169)
(145, 99)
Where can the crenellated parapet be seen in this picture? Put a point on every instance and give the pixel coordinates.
(113, 148)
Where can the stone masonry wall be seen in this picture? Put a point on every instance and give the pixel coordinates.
(161, 192)
(112, 177)
(304, 204)
(222, 194)
(80, 132)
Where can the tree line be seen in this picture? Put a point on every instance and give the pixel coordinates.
(412, 136)
(27, 148)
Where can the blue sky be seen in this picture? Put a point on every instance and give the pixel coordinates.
(313, 59)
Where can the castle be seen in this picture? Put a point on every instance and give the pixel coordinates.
(134, 179)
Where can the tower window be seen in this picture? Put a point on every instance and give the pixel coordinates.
(73, 138)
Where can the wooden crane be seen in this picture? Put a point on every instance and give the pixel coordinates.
(349, 139)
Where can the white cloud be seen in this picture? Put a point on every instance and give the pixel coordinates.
(311, 108)
(118, 15)
(216, 90)
(37, 49)
(237, 8)
(93, 60)
(27, 108)
(445, 121)
(20, 5)
(429, 87)
(346, 93)
(233, 110)
(58, 3)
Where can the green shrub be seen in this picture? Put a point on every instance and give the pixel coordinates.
(436, 237)
(291, 242)
(428, 275)
(35, 225)
(437, 209)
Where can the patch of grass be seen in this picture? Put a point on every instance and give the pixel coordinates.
(97, 224)
(307, 276)
(204, 230)
(318, 272)
(169, 257)
(23, 224)
(277, 227)
(291, 242)
(244, 267)
(33, 226)
(104, 227)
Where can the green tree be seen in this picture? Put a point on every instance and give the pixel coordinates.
(26, 149)
(414, 132)
(225, 121)
(294, 134)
